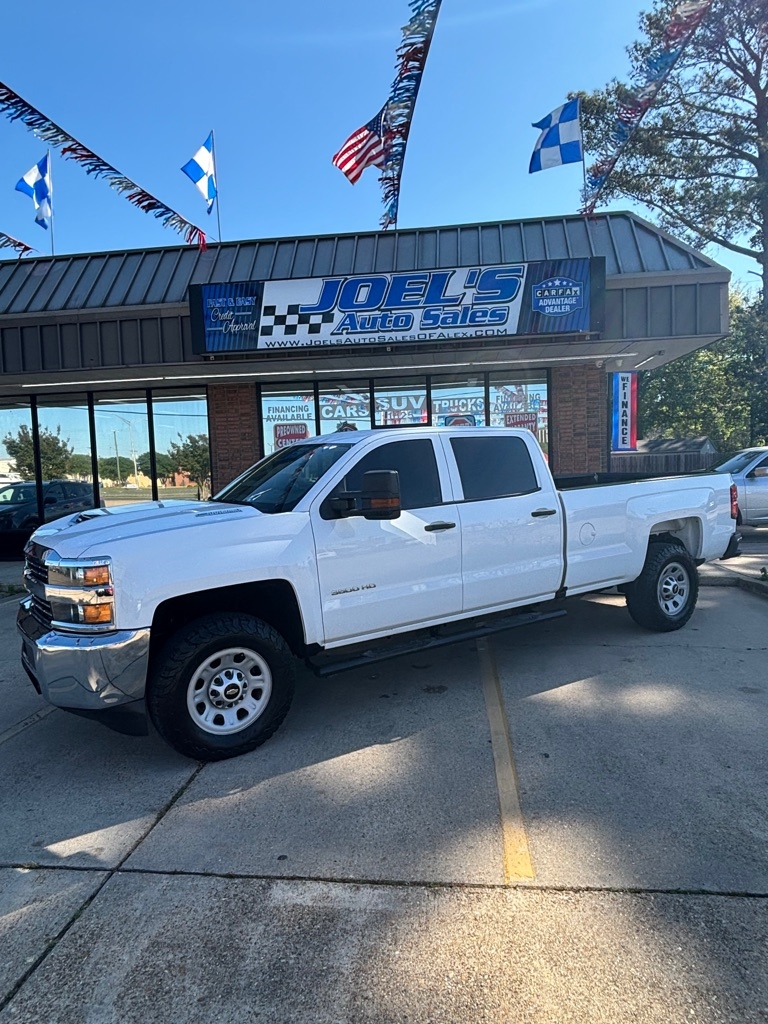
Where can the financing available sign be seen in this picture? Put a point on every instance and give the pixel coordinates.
(552, 297)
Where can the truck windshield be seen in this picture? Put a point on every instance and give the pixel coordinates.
(279, 482)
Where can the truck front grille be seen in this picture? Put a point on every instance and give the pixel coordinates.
(35, 569)
(36, 577)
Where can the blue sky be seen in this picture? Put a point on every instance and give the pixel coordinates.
(283, 85)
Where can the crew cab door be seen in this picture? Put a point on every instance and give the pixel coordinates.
(377, 576)
(511, 521)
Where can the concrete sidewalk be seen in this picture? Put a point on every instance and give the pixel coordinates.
(744, 571)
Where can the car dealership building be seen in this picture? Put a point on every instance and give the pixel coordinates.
(254, 344)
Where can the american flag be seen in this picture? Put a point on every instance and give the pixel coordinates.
(363, 148)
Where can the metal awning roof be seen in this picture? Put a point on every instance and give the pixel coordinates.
(157, 277)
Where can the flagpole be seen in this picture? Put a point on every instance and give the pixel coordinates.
(583, 157)
(50, 200)
(218, 190)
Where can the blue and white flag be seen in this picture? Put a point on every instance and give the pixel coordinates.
(37, 184)
(560, 141)
(202, 171)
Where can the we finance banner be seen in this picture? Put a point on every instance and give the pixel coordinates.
(552, 297)
(624, 434)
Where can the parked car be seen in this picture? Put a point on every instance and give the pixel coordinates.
(749, 469)
(19, 516)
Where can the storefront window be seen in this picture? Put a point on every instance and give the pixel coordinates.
(346, 406)
(521, 400)
(401, 402)
(182, 445)
(458, 401)
(65, 456)
(16, 450)
(122, 444)
(286, 416)
(18, 494)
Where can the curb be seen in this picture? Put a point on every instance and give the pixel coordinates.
(725, 578)
(754, 586)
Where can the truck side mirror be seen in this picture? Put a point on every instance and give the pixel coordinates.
(381, 494)
(340, 505)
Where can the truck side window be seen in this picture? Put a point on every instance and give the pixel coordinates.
(494, 467)
(415, 463)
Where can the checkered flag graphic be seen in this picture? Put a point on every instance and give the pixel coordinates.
(286, 325)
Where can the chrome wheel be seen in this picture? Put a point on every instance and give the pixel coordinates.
(674, 588)
(229, 690)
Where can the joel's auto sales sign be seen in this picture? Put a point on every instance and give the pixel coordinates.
(552, 297)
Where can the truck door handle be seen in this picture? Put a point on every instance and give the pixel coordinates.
(539, 513)
(436, 527)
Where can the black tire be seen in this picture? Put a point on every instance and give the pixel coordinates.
(187, 696)
(664, 595)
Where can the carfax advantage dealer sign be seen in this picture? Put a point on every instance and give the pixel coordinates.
(550, 297)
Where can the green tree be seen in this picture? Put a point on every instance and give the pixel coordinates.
(699, 158)
(164, 463)
(80, 465)
(55, 452)
(720, 392)
(193, 457)
(112, 468)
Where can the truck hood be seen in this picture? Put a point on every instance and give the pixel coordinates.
(73, 535)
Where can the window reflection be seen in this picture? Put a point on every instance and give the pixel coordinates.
(16, 452)
(16, 465)
(286, 416)
(122, 443)
(458, 401)
(521, 400)
(182, 445)
(345, 407)
(401, 403)
(65, 455)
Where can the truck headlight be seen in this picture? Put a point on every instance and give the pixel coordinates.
(80, 594)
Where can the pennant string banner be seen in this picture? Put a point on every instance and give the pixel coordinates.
(411, 59)
(635, 103)
(17, 109)
(9, 242)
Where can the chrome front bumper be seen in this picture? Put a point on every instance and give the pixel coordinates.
(83, 672)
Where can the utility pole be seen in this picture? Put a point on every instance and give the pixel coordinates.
(117, 458)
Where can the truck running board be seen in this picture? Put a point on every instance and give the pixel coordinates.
(432, 639)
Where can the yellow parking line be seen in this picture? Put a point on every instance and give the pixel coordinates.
(517, 855)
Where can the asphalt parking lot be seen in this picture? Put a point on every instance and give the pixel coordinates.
(562, 824)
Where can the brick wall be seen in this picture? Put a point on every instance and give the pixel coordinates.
(233, 423)
(579, 420)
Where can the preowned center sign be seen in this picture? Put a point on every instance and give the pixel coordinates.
(552, 297)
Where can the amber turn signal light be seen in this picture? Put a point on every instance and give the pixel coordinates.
(95, 614)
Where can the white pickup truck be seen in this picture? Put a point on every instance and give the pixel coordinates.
(327, 551)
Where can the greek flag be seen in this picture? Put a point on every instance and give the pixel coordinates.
(560, 140)
(202, 171)
(37, 184)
